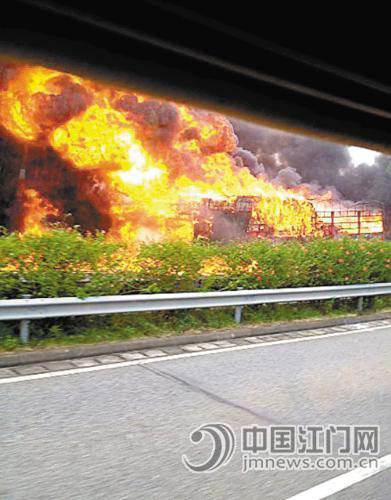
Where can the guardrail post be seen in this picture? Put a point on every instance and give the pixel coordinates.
(360, 305)
(24, 326)
(238, 313)
(238, 310)
(24, 331)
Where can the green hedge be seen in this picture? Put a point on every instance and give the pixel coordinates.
(63, 263)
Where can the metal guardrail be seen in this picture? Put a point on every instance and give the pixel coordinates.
(26, 309)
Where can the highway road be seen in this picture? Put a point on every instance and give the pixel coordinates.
(121, 432)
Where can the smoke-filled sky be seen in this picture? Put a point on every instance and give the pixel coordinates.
(109, 158)
(361, 155)
(355, 173)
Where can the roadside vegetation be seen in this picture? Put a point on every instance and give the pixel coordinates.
(61, 263)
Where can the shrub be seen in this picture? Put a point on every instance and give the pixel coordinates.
(62, 263)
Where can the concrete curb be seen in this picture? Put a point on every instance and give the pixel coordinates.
(81, 351)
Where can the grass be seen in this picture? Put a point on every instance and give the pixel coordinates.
(63, 263)
(111, 328)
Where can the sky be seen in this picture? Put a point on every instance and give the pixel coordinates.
(361, 155)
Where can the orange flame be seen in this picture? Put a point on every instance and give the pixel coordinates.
(149, 155)
(37, 210)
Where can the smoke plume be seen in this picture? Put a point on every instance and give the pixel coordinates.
(291, 160)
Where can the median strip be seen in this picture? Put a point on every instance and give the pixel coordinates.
(46, 370)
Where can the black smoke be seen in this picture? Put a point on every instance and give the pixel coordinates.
(288, 177)
(245, 158)
(290, 160)
(74, 193)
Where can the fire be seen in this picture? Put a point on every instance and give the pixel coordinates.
(135, 159)
(37, 210)
(214, 266)
(29, 101)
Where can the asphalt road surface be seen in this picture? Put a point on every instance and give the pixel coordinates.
(120, 433)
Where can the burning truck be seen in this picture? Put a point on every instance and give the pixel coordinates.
(81, 153)
(243, 219)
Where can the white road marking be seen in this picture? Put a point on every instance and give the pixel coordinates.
(343, 481)
(208, 352)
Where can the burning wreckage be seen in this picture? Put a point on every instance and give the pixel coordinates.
(80, 153)
(243, 219)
